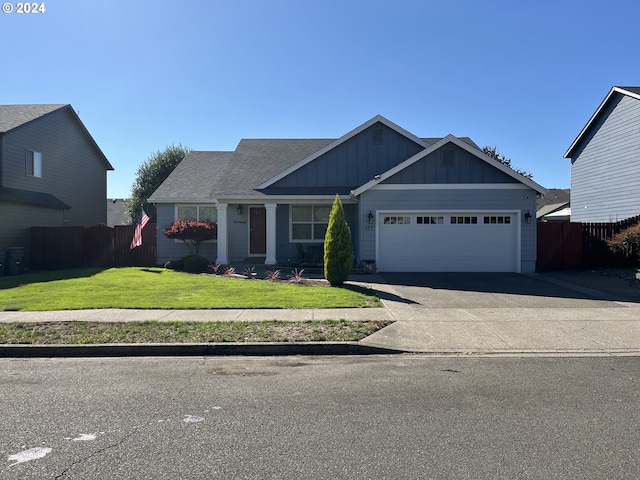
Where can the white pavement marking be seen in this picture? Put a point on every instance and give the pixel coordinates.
(28, 455)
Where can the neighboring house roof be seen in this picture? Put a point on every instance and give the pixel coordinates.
(551, 208)
(460, 143)
(15, 116)
(116, 212)
(563, 214)
(27, 197)
(554, 196)
(633, 92)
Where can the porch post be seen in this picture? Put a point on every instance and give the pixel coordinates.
(271, 233)
(222, 234)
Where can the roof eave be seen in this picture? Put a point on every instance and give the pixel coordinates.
(585, 129)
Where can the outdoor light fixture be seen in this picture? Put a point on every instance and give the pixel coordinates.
(527, 217)
(239, 209)
(370, 217)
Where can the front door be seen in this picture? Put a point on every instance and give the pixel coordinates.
(257, 231)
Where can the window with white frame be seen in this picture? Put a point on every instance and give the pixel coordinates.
(34, 164)
(308, 223)
(201, 213)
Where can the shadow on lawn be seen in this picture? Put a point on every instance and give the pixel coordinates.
(44, 276)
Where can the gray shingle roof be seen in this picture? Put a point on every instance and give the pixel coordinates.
(27, 197)
(12, 116)
(207, 175)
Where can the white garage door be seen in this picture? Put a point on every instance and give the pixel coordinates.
(447, 242)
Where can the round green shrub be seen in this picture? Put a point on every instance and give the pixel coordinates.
(196, 264)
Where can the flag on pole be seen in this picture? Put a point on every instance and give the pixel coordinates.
(137, 236)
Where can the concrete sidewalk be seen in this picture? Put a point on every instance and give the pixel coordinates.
(584, 313)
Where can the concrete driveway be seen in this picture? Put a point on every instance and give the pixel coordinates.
(569, 312)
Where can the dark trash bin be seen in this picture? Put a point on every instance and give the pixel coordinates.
(2, 254)
(14, 261)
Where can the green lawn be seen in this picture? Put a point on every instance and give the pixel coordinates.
(87, 333)
(165, 289)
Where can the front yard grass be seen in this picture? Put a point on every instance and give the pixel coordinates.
(86, 333)
(158, 288)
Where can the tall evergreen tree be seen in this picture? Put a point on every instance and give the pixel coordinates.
(338, 252)
(149, 176)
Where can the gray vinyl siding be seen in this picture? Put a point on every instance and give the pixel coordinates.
(354, 162)
(73, 170)
(425, 200)
(170, 249)
(18, 219)
(466, 168)
(238, 239)
(605, 170)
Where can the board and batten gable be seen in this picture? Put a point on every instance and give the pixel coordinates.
(73, 168)
(449, 164)
(605, 165)
(354, 162)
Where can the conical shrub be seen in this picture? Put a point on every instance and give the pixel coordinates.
(338, 252)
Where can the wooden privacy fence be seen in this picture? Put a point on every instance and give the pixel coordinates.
(53, 248)
(565, 245)
(559, 246)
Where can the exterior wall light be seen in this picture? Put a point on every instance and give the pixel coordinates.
(528, 217)
(239, 209)
(370, 218)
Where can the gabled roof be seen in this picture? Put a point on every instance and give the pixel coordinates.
(15, 116)
(460, 143)
(551, 208)
(633, 92)
(344, 138)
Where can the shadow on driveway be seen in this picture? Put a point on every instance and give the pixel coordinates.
(512, 289)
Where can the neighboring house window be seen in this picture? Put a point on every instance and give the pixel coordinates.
(34, 164)
(201, 213)
(309, 222)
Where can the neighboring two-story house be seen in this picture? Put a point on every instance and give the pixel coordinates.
(605, 160)
(413, 204)
(52, 172)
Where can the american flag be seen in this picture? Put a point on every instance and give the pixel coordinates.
(137, 236)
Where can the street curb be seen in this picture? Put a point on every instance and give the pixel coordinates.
(191, 349)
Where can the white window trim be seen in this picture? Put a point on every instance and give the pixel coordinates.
(36, 158)
(197, 206)
(312, 240)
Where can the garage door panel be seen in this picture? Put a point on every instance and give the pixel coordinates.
(448, 247)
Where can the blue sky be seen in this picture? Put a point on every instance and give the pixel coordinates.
(524, 76)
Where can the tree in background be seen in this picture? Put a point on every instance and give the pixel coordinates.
(338, 252)
(496, 155)
(149, 176)
(192, 233)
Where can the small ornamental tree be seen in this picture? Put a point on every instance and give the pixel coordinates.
(338, 252)
(192, 233)
(626, 243)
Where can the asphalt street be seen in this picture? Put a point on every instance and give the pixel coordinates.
(374, 417)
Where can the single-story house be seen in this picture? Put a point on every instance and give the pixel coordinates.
(412, 203)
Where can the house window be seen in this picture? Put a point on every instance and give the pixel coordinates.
(202, 213)
(34, 164)
(309, 222)
(464, 220)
